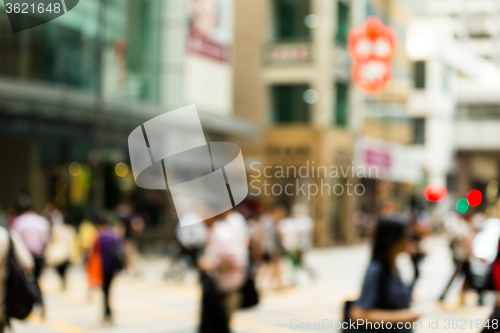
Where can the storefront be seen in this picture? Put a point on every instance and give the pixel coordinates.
(392, 173)
(312, 167)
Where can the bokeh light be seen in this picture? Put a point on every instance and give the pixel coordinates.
(474, 198)
(462, 205)
(75, 169)
(121, 169)
(435, 193)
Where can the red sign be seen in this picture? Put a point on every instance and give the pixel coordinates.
(372, 48)
(376, 158)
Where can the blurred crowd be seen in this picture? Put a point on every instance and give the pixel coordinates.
(238, 255)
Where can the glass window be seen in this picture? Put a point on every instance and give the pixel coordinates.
(343, 23)
(62, 51)
(341, 104)
(419, 75)
(289, 18)
(288, 104)
(419, 131)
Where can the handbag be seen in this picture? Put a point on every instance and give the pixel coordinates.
(56, 253)
(348, 306)
(94, 266)
(21, 289)
(249, 294)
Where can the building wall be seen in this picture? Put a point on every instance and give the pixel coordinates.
(394, 131)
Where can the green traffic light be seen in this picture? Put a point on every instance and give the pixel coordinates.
(462, 205)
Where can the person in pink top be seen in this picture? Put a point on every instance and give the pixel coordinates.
(34, 230)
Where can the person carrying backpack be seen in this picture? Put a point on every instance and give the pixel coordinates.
(25, 261)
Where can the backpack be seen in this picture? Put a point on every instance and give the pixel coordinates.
(21, 289)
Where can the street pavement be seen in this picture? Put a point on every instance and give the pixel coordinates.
(149, 304)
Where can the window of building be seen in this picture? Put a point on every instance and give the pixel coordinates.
(419, 75)
(288, 105)
(419, 131)
(341, 104)
(343, 23)
(289, 18)
(62, 52)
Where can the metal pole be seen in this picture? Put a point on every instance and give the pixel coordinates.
(98, 177)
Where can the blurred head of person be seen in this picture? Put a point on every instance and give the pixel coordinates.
(23, 204)
(100, 219)
(390, 239)
(279, 212)
(467, 216)
(210, 222)
(300, 210)
(388, 208)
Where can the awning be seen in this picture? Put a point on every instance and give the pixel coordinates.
(18, 97)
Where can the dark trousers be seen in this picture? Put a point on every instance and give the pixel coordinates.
(461, 267)
(37, 272)
(106, 285)
(61, 270)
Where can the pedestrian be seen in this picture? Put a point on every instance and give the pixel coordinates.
(289, 236)
(24, 259)
(463, 233)
(224, 261)
(191, 236)
(108, 251)
(131, 225)
(305, 227)
(60, 250)
(35, 233)
(495, 277)
(384, 296)
(418, 230)
(273, 248)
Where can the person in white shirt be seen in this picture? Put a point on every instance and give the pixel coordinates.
(35, 233)
(225, 259)
(463, 233)
(25, 261)
(192, 236)
(239, 224)
(305, 227)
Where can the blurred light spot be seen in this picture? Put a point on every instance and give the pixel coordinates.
(75, 169)
(435, 193)
(121, 169)
(310, 96)
(474, 198)
(462, 205)
(492, 190)
(311, 21)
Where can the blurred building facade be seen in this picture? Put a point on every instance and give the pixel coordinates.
(157, 56)
(294, 81)
(454, 46)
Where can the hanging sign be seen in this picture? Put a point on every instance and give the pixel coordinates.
(372, 48)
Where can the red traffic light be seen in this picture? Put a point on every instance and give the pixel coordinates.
(435, 193)
(474, 198)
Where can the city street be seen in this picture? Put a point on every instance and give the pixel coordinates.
(150, 304)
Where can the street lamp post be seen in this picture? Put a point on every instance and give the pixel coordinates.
(98, 174)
